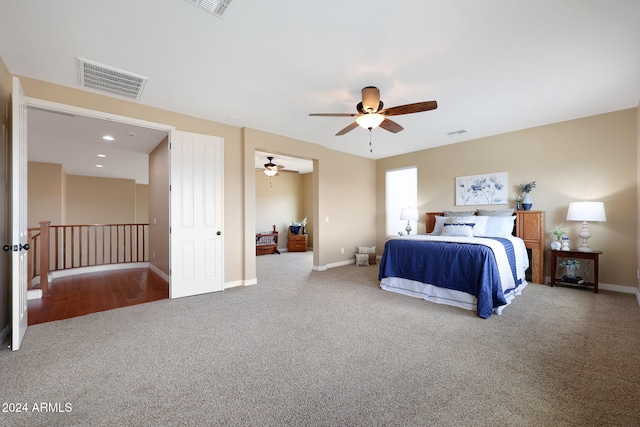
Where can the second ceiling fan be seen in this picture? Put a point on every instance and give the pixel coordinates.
(371, 112)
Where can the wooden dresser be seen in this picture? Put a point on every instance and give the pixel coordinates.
(297, 242)
(530, 227)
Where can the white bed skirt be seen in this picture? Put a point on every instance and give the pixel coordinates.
(442, 295)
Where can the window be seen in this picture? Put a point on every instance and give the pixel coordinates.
(401, 192)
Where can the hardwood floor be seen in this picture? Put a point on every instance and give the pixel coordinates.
(89, 293)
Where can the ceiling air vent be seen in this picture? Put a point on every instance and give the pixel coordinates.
(108, 79)
(214, 7)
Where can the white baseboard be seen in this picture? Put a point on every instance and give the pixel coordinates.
(159, 272)
(341, 263)
(250, 282)
(34, 294)
(234, 284)
(96, 269)
(617, 288)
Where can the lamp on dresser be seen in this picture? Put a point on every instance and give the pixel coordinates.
(586, 211)
(409, 214)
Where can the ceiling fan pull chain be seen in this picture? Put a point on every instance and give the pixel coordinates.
(370, 149)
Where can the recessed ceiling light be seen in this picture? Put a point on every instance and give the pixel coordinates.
(102, 155)
(99, 166)
(107, 138)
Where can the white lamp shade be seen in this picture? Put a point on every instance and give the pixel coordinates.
(586, 211)
(270, 172)
(409, 214)
(370, 121)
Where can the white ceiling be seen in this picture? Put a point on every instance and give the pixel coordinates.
(494, 66)
(75, 142)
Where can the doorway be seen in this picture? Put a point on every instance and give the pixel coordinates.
(70, 139)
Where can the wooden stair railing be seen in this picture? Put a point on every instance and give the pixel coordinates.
(62, 247)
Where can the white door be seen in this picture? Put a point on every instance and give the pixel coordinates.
(19, 235)
(196, 257)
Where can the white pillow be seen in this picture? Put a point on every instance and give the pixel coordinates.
(442, 220)
(499, 226)
(464, 230)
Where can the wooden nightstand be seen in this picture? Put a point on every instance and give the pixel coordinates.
(297, 242)
(592, 256)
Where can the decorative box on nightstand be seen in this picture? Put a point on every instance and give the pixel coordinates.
(297, 242)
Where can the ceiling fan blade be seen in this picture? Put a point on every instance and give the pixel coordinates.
(334, 114)
(410, 108)
(349, 128)
(390, 125)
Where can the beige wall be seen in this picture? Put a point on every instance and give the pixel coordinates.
(142, 204)
(5, 205)
(592, 158)
(159, 207)
(307, 205)
(92, 200)
(45, 201)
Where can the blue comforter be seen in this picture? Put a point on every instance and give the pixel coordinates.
(465, 267)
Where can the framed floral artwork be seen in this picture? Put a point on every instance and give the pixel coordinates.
(486, 189)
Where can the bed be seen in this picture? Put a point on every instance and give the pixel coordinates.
(267, 243)
(469, 261)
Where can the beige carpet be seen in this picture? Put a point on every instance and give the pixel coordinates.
(330, 348)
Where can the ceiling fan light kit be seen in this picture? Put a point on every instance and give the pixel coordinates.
(370, 121)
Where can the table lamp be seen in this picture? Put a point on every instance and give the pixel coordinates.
(409, 214)
(586, 211)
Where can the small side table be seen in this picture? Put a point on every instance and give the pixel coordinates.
(593, 256)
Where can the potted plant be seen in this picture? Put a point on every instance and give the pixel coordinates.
(526, 189)
(518, 199)
(558, 231)
(570, 265)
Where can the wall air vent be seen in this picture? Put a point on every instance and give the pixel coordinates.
(214, 7)
(108, 79)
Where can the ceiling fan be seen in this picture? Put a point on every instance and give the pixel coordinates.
(271, 169)
(371, 112)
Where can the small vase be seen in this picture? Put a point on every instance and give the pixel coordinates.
(526, 202)
(571, 270)
(517, 206)
(565, 243)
